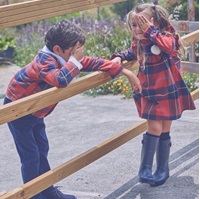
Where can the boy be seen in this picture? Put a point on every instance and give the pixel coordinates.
(56, 64)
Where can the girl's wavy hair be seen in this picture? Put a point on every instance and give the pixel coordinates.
(160, 17)
(65, 34)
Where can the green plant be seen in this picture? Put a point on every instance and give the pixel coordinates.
(122, 8)
(179, 10)
(191, 80)
(115, 86)
(6, 42)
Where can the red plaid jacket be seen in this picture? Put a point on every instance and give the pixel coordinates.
(45, 71)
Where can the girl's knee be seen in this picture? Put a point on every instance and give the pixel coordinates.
(155, 127)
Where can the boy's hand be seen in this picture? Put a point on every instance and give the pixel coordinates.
(134, 81)
(117, 60)
(78, 52)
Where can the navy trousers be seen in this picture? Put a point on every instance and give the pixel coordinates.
(32, 145)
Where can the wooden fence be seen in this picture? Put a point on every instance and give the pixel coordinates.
(11, 16)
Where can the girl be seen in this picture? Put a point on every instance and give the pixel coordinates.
(164, 94)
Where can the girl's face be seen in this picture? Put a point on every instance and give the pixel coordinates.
(136, 30)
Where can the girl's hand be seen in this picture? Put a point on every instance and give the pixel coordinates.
(134, 81)
(144, 23)
(117, 60)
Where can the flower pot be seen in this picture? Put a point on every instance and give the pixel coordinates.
(7, 54)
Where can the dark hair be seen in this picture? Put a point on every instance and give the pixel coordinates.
(65, 34)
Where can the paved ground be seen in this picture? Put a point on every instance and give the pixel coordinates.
(6, 73)
(81, 122)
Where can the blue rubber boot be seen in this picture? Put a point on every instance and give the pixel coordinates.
(149, 147)
(162, 158)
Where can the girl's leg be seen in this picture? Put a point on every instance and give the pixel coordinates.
(150, 142)
(154, 127)
(166, 126)
(162, 155)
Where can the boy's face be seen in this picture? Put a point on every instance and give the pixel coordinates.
(65, 54)
(76, 51)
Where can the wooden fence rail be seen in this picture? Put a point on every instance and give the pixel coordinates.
(30, 11)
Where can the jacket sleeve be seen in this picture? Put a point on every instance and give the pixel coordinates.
(98, 64)
(165, 41)
(127, 55)
(55, 76)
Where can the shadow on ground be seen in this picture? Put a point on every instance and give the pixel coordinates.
(171, 189)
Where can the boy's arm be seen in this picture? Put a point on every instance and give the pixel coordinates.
(98, 64)
(93, 64)
(55, 76)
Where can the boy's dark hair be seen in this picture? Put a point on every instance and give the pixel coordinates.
(65, 34)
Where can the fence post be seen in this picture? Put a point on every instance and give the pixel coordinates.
(191, 17)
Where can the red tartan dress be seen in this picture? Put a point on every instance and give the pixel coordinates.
(164, 93)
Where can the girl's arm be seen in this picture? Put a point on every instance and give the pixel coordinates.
(134, 81)
(165, 41)
(128, 55)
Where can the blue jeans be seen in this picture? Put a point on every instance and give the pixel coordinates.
(32, 145)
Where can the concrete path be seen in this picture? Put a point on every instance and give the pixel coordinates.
(82, 122)
(6, 73)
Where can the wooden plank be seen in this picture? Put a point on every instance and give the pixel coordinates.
(53, 95)
(195, 94)
(45, 8)
(185, 26)
(190, 38)
(2, 193)
(55, 175)
(191, 67)
(26, 12)
(35, 4)
(190, 41)
(16, 13)
(193, 25)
